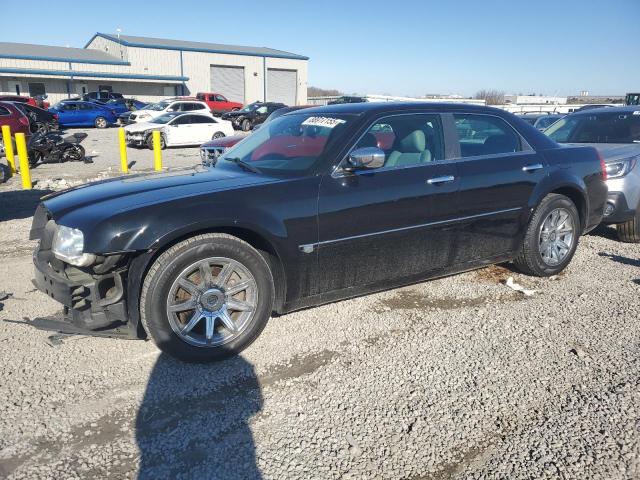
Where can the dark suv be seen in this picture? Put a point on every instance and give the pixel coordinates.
(102, 96)
(318, 205)
(251, 115)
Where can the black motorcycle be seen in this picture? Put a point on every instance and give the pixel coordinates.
(53, 148)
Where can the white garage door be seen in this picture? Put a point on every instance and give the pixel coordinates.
(282, 86)
(229, 81)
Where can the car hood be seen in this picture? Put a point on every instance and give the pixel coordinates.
(234, 114)
(613, 151)
(224, 141)
(143, 126)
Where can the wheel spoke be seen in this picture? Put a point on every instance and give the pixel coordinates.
(238, 305)
(238, 287)
(224, 275)
(190, 287)
(563, 245)
(193, 321)
(206, 278)
(181, 307)
(209, 329)
(228, 322)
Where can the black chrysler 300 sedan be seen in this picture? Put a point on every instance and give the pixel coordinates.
(320, 205)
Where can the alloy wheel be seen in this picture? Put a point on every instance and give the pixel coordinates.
(212, 301)
(556, 236)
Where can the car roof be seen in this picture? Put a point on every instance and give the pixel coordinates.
(383, 107)
(609, 110)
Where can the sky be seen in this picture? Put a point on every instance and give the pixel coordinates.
(399, 47)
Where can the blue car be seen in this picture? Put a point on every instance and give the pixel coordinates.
(83, 114)
(123, 105)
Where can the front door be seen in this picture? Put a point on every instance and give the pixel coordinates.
(380, 225)
(498, 172)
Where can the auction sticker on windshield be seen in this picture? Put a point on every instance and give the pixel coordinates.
(323, 122)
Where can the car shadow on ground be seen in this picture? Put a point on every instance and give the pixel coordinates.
(194, 420)
(620, 259)
(16, 204)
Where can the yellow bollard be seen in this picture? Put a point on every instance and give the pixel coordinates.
(157, 152)
(124, 164)
(8, 148)
(24, 161)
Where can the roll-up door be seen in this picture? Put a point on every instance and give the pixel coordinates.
(282, 86)
(229, 81)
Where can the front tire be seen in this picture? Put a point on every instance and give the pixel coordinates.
(245, 125)
(163, 143)
(551, 238)
(629, 231)
(207, 298)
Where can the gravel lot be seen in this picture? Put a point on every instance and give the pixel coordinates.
(460, 377)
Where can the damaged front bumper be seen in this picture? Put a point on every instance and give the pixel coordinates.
(94, 298)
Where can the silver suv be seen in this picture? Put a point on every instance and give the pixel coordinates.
(615, 133)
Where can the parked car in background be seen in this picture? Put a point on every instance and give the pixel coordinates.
(123, 105)
(211, 150)
(102, 96)
(348, 99)
(615, 133)
(218, 103)
(632, 99)
(39, 120)
(178, 129)
(252, 115)
(16, 120)
(155, 110)
(541, 120)
(307, 210)
(38, 101)
(83, 114)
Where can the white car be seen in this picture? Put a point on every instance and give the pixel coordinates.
(155, 110)
(178, 129)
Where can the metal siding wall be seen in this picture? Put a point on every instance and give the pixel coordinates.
(282, 86)
(229, 81)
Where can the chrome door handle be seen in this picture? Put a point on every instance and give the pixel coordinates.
(533, 167)
(438, 180)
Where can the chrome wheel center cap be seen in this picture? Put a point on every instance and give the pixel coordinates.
(552, 236)
(212, 300)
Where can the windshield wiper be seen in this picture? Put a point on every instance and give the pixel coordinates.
(247, 166)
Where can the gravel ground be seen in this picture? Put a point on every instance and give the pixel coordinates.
(459, 377)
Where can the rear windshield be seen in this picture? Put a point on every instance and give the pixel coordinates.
(609, 127)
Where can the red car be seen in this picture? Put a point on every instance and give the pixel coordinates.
(218, 103)
(21, 99)
(10, 115)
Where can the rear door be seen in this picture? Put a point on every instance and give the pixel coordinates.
(498, 172)
(395, 222)
(202, 128)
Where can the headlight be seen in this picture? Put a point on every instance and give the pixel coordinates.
(68, 246)
(619, 168)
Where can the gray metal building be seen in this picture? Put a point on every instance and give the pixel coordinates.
(152, 68)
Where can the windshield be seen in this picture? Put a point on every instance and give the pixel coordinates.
(609, 127)
(251, 107)
(633, 99)
(289, 145)
(157, 106)
(166, 118)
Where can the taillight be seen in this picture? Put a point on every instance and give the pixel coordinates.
(603, 167)
(24, 121)
(55, 116)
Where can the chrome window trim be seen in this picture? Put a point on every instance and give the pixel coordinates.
(310, 247)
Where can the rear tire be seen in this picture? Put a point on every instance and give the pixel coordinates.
(217, 135)
(101, 122)
(169, 284)
(629, 231)
(543, 236)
